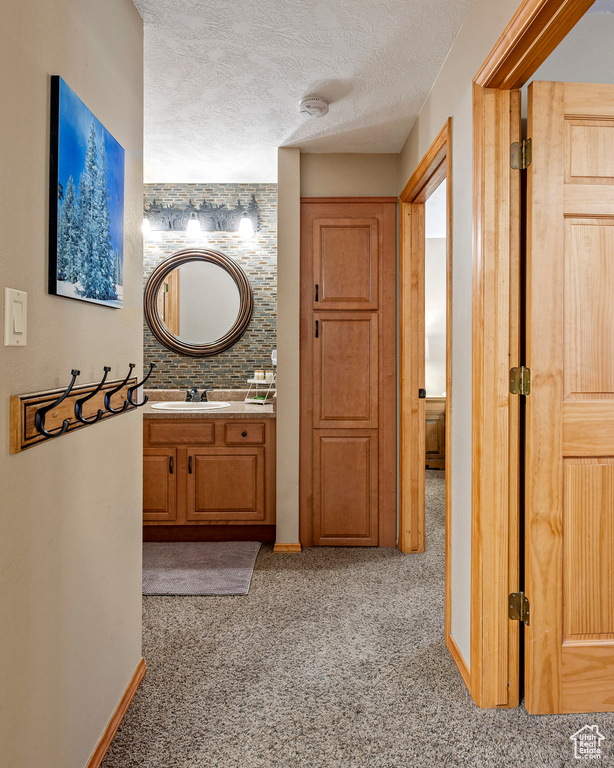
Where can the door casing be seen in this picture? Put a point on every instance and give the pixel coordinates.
(531, 36)
(434, 167)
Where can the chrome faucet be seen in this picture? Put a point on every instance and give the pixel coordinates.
(203, 397)
(191, 395)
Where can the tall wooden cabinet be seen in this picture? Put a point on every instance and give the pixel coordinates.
(348, 365)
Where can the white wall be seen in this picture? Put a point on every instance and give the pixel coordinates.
(349, 175)
(288, 322)
(70, 510)
(451, 95)
(586, 55)
(435, 314)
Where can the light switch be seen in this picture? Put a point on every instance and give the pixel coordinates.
(15, 318)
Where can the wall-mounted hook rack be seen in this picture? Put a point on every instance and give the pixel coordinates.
(79, 403)
(110, 393)
(140, 384)
(39, 416)
(42, 416)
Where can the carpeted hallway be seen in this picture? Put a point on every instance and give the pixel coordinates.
(335, 659)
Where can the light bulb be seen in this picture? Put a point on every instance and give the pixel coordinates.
(193, 228)
(146, 227)
(246, 228)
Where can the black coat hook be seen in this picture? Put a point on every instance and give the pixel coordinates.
(79, 403)
(111, 392)
(39, 418)
(136, 386)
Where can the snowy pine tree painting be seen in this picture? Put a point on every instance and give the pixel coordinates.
(87, 226)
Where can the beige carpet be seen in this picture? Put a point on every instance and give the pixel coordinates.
(335, 659)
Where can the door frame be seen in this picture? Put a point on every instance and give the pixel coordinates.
(533, 33)
(435, 166)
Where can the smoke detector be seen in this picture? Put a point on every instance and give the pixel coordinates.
(314, 106)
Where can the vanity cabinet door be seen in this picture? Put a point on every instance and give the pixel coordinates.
(160, 484)
(226, 484)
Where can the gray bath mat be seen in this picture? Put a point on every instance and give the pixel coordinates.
(198, 567)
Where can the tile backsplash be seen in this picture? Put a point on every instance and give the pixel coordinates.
(258, 258)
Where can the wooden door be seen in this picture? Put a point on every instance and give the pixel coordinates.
(348, 387)
(570, 410)
(160, 484)
(226, 484)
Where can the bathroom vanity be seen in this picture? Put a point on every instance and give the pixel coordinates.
(209, 475)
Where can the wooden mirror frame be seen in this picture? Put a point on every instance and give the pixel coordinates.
(159, 275)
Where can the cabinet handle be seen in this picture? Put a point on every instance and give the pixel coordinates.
(243, 434)
(317, 330)
(170, 464)
(317, 286)
(189, 465)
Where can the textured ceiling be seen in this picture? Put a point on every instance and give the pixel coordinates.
(223, 79)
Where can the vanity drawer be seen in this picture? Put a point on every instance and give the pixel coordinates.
(244, 433)
(178, 432)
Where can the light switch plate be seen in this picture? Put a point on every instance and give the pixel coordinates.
(15, 318)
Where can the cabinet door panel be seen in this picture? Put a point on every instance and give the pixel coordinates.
(226, 484)
(345, 488)
(346, 370)
(159, 484)
(346, 263)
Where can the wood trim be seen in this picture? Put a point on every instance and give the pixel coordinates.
(432, 169)
(287, 548)
(431, 164)
(459, 660)
(109, 733)
(449, 390)
(349, 199)
(535, 30)
(411, 367)
(495, 426)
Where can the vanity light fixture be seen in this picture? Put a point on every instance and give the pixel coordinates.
(193, 226)
(246, 227)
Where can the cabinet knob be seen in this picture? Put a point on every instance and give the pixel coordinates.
(243, 434)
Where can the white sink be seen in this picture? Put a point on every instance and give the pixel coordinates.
(188, 407)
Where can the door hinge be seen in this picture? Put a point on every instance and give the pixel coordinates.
(518, 604)
(520, 381)
(520, 155)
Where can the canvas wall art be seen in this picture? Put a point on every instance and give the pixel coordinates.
(86, 201)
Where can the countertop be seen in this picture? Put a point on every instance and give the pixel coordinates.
(238, 408)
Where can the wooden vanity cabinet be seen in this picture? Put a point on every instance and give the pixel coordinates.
(201, 472)
(435, 433)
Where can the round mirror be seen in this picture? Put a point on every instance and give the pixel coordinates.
(198, 302)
